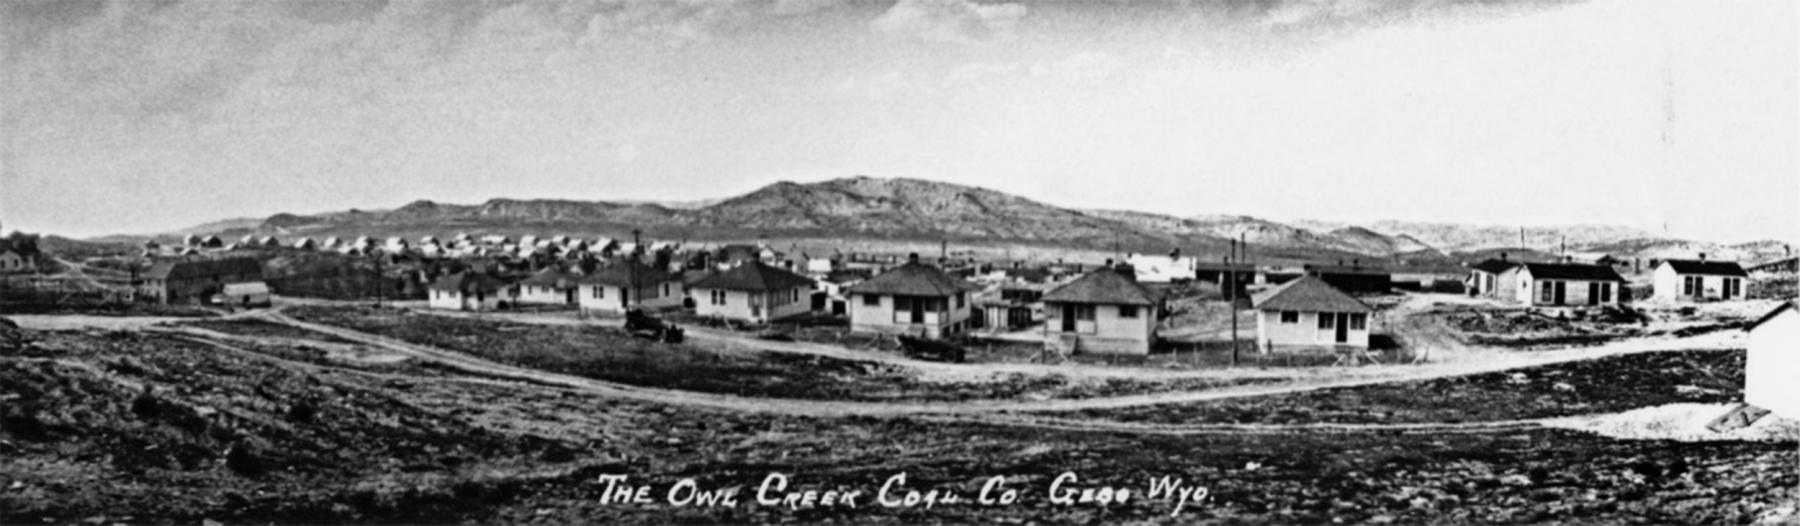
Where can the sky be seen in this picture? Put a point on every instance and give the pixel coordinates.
(1678, 117)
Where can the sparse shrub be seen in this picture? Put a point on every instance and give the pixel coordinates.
(145, 406)
(303, 413)
(24, 424)
(241, 459)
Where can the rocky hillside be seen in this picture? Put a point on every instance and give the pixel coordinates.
(916, 210)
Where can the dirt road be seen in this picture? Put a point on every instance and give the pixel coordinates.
(472, 365)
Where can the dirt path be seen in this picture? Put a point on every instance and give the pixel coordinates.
(64, 322)
(473, 365)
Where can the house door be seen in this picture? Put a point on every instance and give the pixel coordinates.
(1068, 318)
(918, 310)
(1562, 292)
(624, 297)
(569, 297)
(1343, 326)
(1593, 294)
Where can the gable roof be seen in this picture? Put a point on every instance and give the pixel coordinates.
(550, 277)
(622, 274)
(167, 270)
(912, 279)
(1573, 272)
(1103, 285)
(468, 282)
(1495, 266)
(753, 276)
(1310, 294)
(1783, 307)
(1710, 268)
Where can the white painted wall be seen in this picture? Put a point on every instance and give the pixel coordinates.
(738, 304)
(880, 318)
(542, 295)
(1668, 286)
(1772, 365)
(1270, 331)
(1107, 333)
(1529, 291)
(610, 298)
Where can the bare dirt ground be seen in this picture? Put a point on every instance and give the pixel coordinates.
(342, 425)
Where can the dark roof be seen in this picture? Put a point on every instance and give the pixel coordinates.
(1495, 266)
(1573, 271)
(550, 277)
(755, 276)
(1345, 269)
(1710, 268)
(622, 274)
(912, 279)
(1310, 294)
(1783, 307)
(1103, 285)
(1221, 267)
(468, 282)
(167, 270)
(846, 275)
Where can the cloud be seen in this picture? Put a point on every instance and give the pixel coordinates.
(950, 21)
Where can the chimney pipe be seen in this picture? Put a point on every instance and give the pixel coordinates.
(1502, 256)
(1109, 262)
(912, 257)
(1702, 257)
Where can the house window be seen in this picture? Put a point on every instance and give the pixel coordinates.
(1547, 293)
(1127, 311)
(1359, 322)
(665, 289)
(1688, 285)
(796, 294)
(1327, 321)
(872, 300)
(717, 297)
(599, 292)
(1288, 316)
(959, 300)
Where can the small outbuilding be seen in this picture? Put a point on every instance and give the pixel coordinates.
(1308, 313)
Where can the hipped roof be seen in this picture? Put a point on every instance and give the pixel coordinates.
(913, 279)
(1104, 285)
(753, 276)
(1310, 294)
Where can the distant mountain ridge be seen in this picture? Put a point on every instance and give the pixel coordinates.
(913, 209)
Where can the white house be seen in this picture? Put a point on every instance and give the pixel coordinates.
(752, 292)
(914, 299)
(550, 286)
(1105, 311)
(1698, 280)
(1772, 362)
(1308, 313)
(1494, 278)
(12, 261)
(1162, 269)
(247, 294)
(1567, 284)
(467, 291)
(628, 284)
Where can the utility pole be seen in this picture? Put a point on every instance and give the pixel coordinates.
(1231, 298)
(637, 290)
(378, 289)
